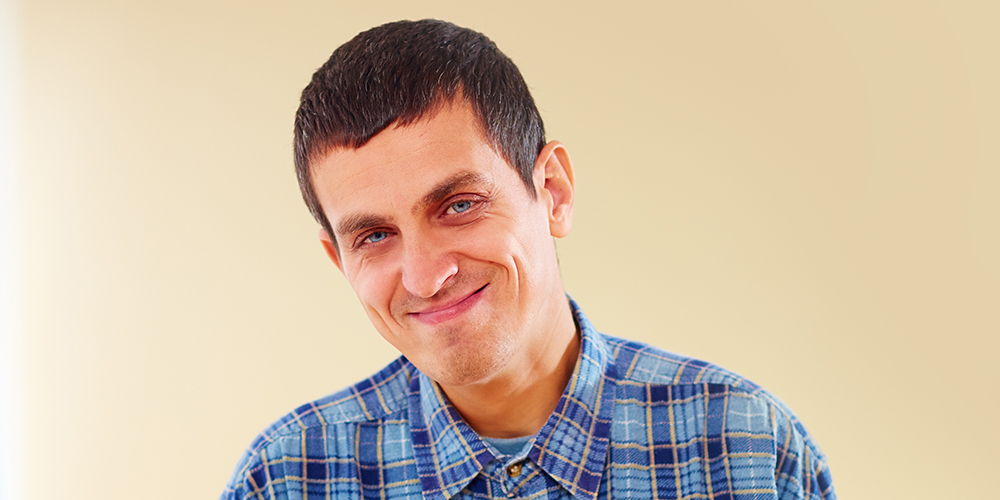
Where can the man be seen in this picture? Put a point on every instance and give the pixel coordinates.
(420, 152)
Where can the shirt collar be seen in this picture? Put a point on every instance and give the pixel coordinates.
(571, 447)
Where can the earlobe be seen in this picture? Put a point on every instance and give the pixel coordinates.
(332, 250)
(554, 175)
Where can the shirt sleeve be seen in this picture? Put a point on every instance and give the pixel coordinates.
(801, 470)
(236, 486)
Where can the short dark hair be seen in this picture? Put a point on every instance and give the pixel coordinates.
(397, 73)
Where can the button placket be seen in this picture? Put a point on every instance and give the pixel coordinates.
(514, 470)
(500, 478)
(519, 475)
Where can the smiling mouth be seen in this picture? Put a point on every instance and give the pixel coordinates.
(450, 311)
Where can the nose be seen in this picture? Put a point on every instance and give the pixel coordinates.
(427, 265)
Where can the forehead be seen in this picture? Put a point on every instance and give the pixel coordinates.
(400, 165)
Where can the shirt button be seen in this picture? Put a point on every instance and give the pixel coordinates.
(514, 470)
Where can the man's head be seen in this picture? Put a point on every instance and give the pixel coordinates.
(399, 72)
(417, 166)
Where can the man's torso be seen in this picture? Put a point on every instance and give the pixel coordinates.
(634, 422)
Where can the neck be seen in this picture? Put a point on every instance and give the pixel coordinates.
(518, 401)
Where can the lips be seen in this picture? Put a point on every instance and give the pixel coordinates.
(440, 313)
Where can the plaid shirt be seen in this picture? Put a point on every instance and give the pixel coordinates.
(634, 422)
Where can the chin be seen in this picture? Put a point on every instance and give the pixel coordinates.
(468, 367)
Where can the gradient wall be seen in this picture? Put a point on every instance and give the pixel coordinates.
(807, 193)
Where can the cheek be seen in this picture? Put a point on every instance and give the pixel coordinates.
(373, 283)
(510, 241)
(496, 242)
(533, 231)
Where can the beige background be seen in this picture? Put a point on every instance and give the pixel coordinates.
(804, 192)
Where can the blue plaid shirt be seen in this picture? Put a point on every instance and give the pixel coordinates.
(634, 422)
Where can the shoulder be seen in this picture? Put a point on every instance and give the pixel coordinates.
(372, 399)
(330, 420)
(643, 363)
(703, 401)
(679, 377)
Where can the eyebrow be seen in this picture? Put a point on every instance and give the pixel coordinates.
(448, 186)
(360, 222)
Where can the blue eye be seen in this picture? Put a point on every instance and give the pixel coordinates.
(376, 237)
(460, 206)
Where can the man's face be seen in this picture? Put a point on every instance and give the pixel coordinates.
(451, 257)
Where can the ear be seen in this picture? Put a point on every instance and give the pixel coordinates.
(554, 184)
(332, 250)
